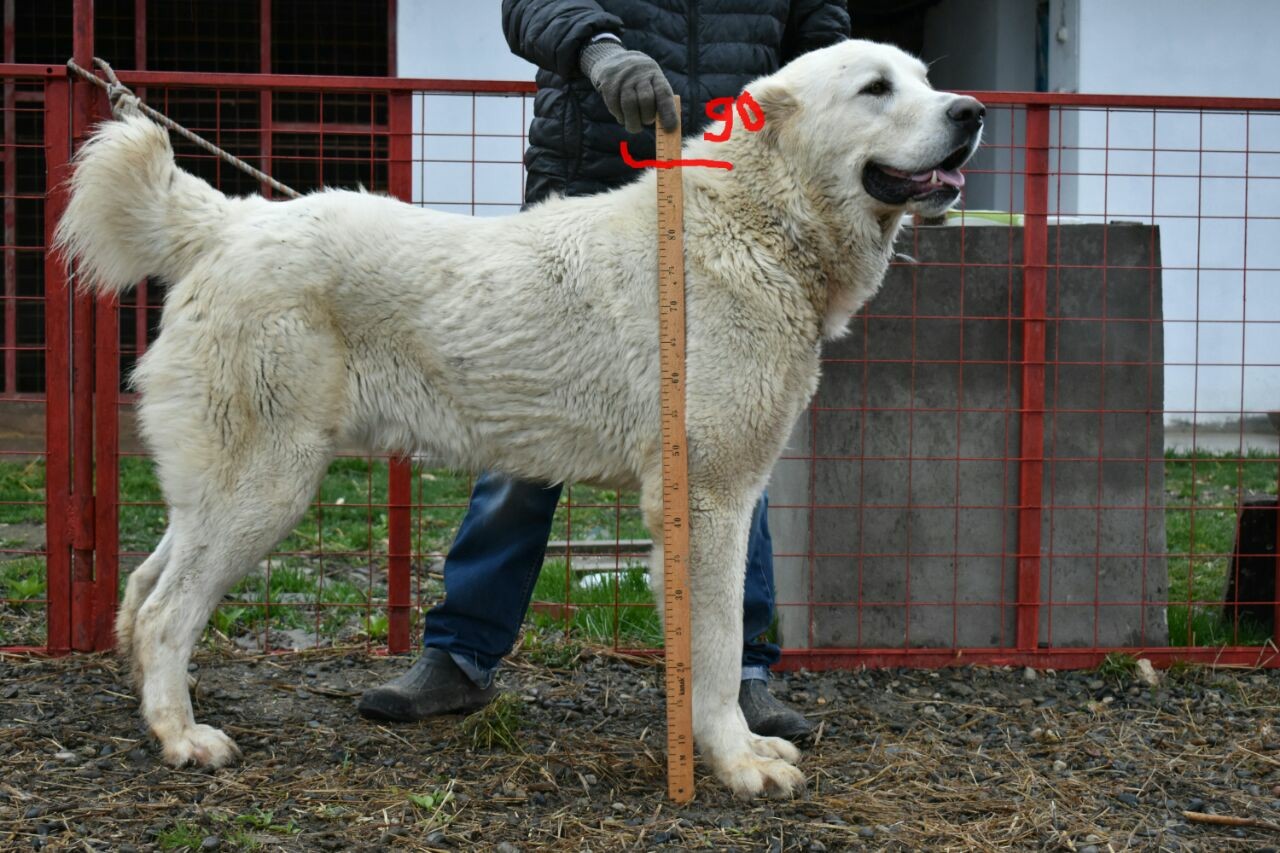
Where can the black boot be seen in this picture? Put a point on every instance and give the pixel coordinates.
(769, 717)
(433, 685)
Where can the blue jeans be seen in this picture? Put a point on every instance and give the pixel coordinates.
(495, 559)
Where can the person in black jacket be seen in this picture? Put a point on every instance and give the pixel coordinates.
(606, 69)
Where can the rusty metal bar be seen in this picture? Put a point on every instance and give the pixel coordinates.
(322, 83)
(10, 213)
(399, 472)
(57, 320)
(82, 376)
(106, 454)
(1035, 247)
(1064, 658)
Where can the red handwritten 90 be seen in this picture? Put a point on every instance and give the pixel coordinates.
(718, 109)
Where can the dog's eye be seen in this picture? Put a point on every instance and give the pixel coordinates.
(876, 88)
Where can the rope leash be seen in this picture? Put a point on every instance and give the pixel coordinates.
(125, 103)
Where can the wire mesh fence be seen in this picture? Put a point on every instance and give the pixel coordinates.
(1052, 435)
(23, 548)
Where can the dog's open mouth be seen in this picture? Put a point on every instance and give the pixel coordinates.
(940, 183)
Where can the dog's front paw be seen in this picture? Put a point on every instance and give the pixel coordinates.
(775, 747)
(201, 745)
(750, 774)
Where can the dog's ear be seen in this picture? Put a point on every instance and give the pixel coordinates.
(775, 100)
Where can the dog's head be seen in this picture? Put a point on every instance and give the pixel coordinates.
(864, 114)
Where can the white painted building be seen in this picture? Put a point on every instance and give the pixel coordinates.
(1211, 170)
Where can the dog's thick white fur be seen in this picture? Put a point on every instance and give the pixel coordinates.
(526, 344)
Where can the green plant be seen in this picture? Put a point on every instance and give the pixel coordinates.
(598, 514)
(142, 512)
(608, 607)
(429, 801)
(496, 724)
(1119, 667)
(433, 803)
(1203, 491)
(243, 840)
(231, 621)
(1187, 672)
(23, 578)
(349, 522)
(375, 626)
(264, 819)
(180, 836)
(22, 492)
(548, 652)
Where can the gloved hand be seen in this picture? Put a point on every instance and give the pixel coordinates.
(631, 83)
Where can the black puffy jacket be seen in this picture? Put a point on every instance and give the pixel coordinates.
(707, 48)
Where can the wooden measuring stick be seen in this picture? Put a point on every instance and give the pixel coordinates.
(678, 651)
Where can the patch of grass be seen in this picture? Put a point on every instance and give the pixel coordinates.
(548, 652)
(22, 579)
(1207, 475)
(376, 625)
(1209, 625)
(23, 586)
(429, 801)
(613, 607)
(349, 522)
(296, 594)
(22, 492)
(1203, 492)
(142, 513)
(180, 836)
(432, 805)
(496, 724)
(1187, 672)
(1120, 667)
(265, 820)
(243, 840)
(231, 621)
(601, 514)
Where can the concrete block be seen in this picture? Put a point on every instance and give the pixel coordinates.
(895, 510)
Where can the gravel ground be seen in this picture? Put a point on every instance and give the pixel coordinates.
(960, 759)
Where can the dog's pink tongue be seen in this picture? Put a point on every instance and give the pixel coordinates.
(950, 177)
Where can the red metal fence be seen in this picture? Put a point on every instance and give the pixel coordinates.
(998, 361)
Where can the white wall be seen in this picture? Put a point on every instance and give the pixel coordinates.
(1179, 47)
(1220, 231)
(467, 149)
(445, 39)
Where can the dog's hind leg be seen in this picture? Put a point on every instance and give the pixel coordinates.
(141, 582)
(238, 520)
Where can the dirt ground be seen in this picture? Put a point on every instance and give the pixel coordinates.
(961, 759)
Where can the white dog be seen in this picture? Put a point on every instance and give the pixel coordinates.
(526, 344)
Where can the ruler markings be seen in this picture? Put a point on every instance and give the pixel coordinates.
(675, 468)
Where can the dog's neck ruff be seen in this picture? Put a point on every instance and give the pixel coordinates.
(834, 248)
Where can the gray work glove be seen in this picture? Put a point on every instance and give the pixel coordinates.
(631, 83)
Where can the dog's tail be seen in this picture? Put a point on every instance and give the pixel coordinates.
(133, 212)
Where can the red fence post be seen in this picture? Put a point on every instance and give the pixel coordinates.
(1035, 256)
(399, 542)
(106, 541)
(83, 595)
(399, 472)
(101, 484)
(57, 422)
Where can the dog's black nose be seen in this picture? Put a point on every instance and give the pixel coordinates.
(967, 112)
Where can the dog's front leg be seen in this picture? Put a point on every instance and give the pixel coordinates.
(748, 764)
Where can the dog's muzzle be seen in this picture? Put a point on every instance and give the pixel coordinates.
(935, 186)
